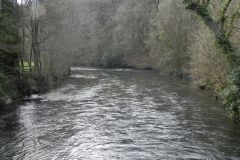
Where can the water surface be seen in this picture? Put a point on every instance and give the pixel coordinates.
(119, 114)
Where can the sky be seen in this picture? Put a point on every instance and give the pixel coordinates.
(19, 1)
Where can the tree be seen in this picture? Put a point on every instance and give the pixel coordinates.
(222, 28)
(8, 50)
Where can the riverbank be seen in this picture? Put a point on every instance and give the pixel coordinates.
(15, 90)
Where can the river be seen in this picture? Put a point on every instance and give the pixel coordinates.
(123, 114)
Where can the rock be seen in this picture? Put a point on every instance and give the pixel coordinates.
(8, 100)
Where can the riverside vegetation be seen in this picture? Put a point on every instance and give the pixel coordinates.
(199, 39)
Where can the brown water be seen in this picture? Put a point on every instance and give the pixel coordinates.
(119, 114)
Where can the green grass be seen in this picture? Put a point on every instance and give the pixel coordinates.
(27, 67)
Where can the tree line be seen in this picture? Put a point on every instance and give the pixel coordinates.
(186, 38)
(32, 55)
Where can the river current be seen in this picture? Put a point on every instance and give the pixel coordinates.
(123, 114)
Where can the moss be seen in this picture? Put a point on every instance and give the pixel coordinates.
(201, 10)
(224, 42)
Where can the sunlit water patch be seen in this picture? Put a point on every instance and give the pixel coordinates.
(84, 76)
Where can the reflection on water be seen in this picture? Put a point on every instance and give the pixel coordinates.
(119, 114)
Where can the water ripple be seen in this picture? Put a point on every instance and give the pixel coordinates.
(110, 114)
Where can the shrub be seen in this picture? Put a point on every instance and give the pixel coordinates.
(210, 67)
(111, 60)
(7, 88)
(230, 97)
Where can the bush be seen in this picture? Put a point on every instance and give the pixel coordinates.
(210, 67)
(111, 60)
(235, 76)
(231, 94)
(230, 98)
(7, 89)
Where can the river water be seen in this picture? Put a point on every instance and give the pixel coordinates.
(119, 114)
